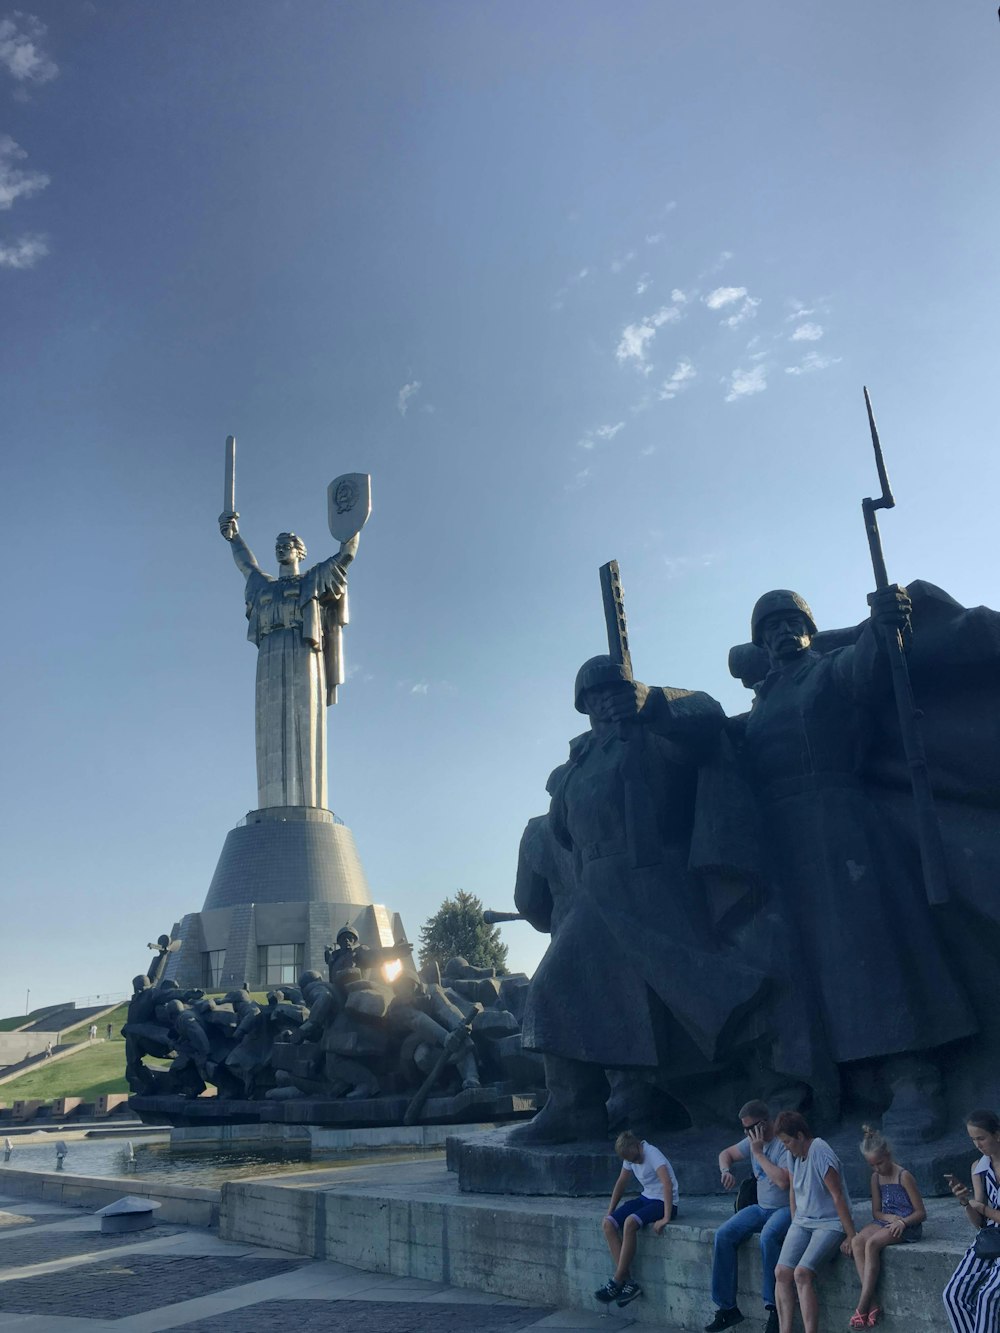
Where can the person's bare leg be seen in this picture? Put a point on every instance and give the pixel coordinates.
(808, 1299)
(629, 1236)
(784, 1297)
(614, 1239)
(873, 1266)
(859, 1256)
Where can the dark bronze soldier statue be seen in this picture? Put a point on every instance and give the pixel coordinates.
(635, 977)
(868, 974)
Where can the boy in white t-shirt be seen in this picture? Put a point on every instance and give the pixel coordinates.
(657, 1204)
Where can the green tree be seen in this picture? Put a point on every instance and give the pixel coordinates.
(457, 929)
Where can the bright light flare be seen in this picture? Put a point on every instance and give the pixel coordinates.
(392, 969)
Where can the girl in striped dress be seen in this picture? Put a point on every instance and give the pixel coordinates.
(972, 1296)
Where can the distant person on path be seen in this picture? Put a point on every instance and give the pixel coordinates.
(972, 1296)
(92, 1032)
(821, 1221)
(770, 1215)
(110, 1029)
(657, 1204)
(48, 1049)
(899, 1214)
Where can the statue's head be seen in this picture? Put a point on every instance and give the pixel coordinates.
(308, 978)
(598, 675)
(289, 548)
(140, 983)
(783, 623)
(348, 938)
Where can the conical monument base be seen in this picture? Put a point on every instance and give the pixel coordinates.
(288, 878)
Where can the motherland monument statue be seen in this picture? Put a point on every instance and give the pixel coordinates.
(289, 876)
(296, 621)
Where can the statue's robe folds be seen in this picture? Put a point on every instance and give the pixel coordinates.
(634, 975)
(870, 973)
(296, 624)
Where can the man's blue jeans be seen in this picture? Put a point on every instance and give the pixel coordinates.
(772, 1223)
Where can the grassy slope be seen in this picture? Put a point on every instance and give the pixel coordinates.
(87, 1073)
(116, 1018)
(18, 1021)
(95, 1069)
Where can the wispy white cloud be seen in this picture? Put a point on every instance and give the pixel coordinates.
(590, 438)
(808, 333)
(746, 311)
(681, 377)
(620, 261)
(633, 345)
(20, 50)
(24, 252)
(743, 383)
(405, 394)
(14, 183)
(420, 687)
(717, 264)
(723, 296)
(654, 238)
(648, 451)
(678, 297)
(579, 480)
(813, 361)
(643, 284)
(559, 300)
(679, 565)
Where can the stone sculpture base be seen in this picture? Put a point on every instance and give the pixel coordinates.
(287, 876)
(486, 1163)
(471, 1107)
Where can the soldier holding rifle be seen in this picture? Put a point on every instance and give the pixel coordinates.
(631, 978)
(866, 952)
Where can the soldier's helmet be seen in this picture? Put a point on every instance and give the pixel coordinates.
(774, 603)
(348, 933)
(596, 671)
(307, 979)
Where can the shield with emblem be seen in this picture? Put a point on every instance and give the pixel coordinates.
(349, 503)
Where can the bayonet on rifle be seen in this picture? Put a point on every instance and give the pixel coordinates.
(932, 858)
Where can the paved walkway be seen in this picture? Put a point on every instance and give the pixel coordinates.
(60, 1274)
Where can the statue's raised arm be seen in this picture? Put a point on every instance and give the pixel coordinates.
(246, 561)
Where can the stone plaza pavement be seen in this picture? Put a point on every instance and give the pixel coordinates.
(59, 1274)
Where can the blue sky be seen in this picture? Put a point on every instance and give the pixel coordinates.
(573, 281)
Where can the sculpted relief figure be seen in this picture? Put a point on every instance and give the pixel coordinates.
(295, 621)
(867, 963)
(635, 977)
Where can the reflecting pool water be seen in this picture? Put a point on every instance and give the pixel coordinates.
(191, 1166)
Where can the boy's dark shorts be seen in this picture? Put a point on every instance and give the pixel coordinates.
(646, 1210)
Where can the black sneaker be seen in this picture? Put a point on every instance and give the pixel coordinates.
(726, 1319)
(609, 1292)
(629, 1292)
(772, 1320)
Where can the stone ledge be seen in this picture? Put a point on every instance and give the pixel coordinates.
(550, 1251)
(194, 1205)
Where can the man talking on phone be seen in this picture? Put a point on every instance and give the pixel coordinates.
(770, 1215)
